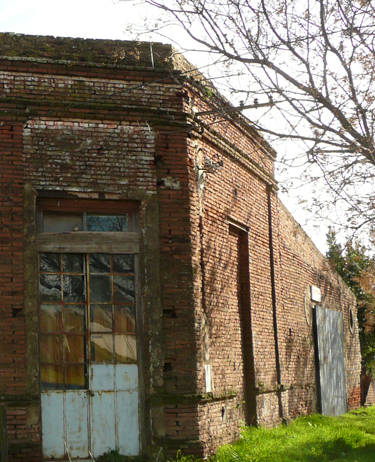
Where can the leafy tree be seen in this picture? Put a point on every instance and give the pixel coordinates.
(310, 61)
(357, 269)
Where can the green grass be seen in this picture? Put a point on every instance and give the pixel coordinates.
(314, 438)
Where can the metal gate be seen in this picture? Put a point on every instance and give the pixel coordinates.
(88, 354)
(331, 361)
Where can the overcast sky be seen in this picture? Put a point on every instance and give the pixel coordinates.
(66, 18)
(104, 19)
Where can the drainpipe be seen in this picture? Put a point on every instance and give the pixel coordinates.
(274, 300)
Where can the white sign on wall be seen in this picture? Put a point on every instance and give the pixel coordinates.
(316, 295)
(207, 370)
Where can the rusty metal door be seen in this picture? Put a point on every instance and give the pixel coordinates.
(88, 354)
(331, 361)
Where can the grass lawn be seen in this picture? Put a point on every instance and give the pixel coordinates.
(350, 437)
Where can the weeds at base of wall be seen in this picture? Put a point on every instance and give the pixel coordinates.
(312, 438)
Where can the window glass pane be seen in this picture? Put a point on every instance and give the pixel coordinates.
(50, 288)
(50, 262)
(104, 223)
(123, 264)
(51, 348)
(100, 289)
(51, 318)
(58, 222)
(74, 289)
(125, 318)
(101, 318)
(75, 377)
(51, 377)
(73, 263)
(102, 348)
(125, 349)
(74, 349)
(123, 289)
(100, 263)
(74, 318)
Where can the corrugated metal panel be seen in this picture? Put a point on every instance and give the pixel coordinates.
(332, 376)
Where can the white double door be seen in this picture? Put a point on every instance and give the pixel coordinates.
(88, 355)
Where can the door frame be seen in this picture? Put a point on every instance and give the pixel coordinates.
(84, 242)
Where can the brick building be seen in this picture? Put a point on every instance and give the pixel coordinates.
(155, 293)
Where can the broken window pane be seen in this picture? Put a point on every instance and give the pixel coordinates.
(125, 349)
(106, 223)
(100, 263)
(101, 318)
(50, 262)
(100, 289)
(74, 349)
(75, 377)
(125, 318)
(51, 377)
(74, 289)
(60, 222)
(51, 348)
(123, 289)
(123, 264)
(74, 318)
(102, 348)
(73, 263)
(51, 318)
(50, 288)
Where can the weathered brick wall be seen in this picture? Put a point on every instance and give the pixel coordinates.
(238, 191)
(301, 265)
(88, 126)
(22, 428)
(93, 132)
(179, 336)
(89, 155)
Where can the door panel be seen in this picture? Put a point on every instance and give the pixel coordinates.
(126, 377)
(331, 367)
(53, 424)
(102, 377)
(103, 431)
(76, 418)
(127, 422)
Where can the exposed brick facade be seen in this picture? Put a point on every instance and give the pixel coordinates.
(225, 271)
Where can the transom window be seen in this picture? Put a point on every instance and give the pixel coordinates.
(69, 215)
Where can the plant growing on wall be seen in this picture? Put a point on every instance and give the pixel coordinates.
(357, 269)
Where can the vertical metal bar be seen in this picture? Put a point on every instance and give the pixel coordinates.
(138, 335)
(274, 300)
(88, 343)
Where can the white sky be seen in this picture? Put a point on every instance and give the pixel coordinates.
(103, 19)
